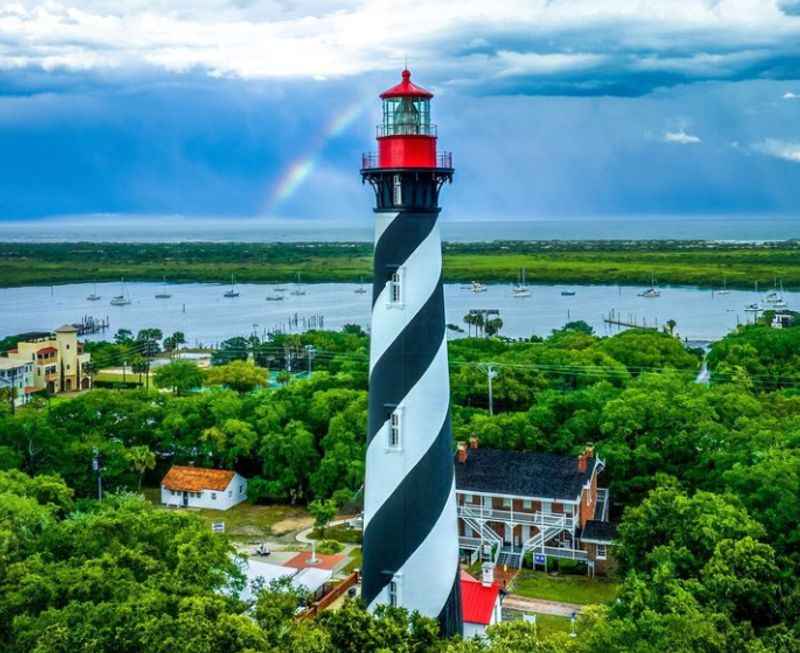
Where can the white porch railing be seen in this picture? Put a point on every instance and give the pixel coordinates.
(539, 519)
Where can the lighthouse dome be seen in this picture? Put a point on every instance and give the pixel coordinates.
(406, 88)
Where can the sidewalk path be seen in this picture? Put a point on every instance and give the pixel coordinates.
(540, 606)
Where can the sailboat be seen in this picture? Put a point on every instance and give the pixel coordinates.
(478, 287)
(521, 290)
(94, 296)
(298, 290)
(724, 290)
(122, 299)
(361, 290)
(775, 298)
(232, 292)
(163, 294)
(651, 291)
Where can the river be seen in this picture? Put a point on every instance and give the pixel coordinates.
(206, 317)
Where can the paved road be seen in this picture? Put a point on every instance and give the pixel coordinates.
(540, 606)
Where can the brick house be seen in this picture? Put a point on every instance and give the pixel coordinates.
(514, 503)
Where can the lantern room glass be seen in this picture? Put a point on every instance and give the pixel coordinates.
(407, 116)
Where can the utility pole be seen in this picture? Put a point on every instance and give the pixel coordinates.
(491, 373)
(310, 352)
(97, 466)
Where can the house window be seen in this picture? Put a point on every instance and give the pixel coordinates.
(395, 434)
(602, 551)
(241, 488)
(527, 504)
(547, 507)
(230, 493)
(568, 509)
(397, 191)
(507, 503)
(467, 498)
(213, 496)
(394, 592)
(395, 294)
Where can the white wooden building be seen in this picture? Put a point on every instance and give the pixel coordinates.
(197, 487)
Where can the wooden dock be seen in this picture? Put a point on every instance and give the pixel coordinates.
(615, 319)
(90, 324)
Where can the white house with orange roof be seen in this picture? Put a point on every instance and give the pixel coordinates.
(197, 487)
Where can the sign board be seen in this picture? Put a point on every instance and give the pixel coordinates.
(218, 526)
(530, 618)
(539, 558)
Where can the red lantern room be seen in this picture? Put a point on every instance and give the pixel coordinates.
(406, 137)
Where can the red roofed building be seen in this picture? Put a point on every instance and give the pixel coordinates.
(481, 602)
(306, 560)
(197, 487)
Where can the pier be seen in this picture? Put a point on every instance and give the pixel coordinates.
(616, 319)
(90, 324)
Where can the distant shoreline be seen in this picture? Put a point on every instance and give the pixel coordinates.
(705, 263)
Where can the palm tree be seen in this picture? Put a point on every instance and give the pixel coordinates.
(141, 459)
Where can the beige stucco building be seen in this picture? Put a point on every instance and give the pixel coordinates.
(59, 362)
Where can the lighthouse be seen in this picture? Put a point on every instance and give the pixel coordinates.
(410, 522)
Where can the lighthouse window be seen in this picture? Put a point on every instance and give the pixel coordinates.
(394, 430)
(394, 592)
(394, 288)
(397, 191)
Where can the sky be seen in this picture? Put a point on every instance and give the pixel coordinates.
(552, 108)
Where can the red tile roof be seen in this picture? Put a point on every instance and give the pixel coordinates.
(301, 561)
(47, 350)
(194, 479)
(477, 601)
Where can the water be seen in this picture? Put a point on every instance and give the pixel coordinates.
(206, 317)
(116, 228)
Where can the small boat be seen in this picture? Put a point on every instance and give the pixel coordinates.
(360, 290)
(94, 296)
(478, 287)
(280, 289)
(724, 290)
(163, 294)
(122, 299)
(753, 308)
(780, 303)
(567, 293)
(275, 298)
(298, 291)
(232, 292)
(651, 292)
(521, 290)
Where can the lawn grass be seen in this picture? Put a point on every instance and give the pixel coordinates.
(546, 624)
(245, 522)
(566, 588)
(550, 624)
(356, 561)
(340, 533)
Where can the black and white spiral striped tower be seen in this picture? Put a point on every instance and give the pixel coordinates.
(410, 522)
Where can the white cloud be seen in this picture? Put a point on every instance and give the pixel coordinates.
(779, 149)
(681, 137)
(690, 39)
(790, 96)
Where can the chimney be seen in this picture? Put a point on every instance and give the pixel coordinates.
(473, 442)
(487, 574)
(582, 463)
(462, 452)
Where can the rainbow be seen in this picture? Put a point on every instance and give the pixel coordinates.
(297, 171)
